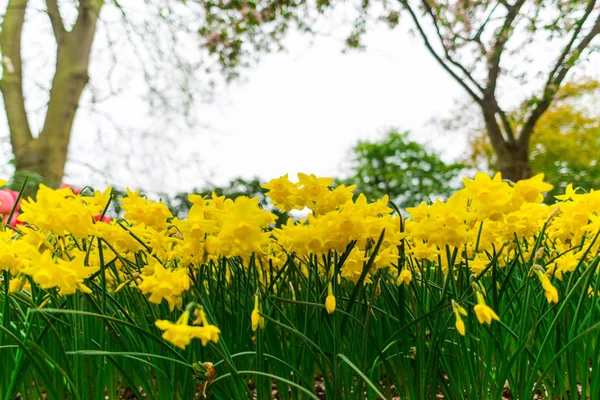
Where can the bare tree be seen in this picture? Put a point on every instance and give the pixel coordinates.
(46, 154)
(471, 39)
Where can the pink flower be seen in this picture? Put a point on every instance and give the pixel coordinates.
(7, 200)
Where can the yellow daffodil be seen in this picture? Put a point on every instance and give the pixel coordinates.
(67, 275)
(180, 333)
(255, 318)
(549, 290)
(330, 300)
(165, 283)
(483, 312)
(404, 278)
(458, 311)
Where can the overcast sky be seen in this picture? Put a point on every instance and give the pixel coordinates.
(302, 110)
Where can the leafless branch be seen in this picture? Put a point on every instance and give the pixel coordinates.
(559, 72)
(494, 65)
(446, 50)
(477, 37)
(56, 20)
(438, 58)
(566, 51)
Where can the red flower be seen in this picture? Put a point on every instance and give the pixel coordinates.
(105, 219)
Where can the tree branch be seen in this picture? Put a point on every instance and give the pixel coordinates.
(477, 37)
(492, 127)
(504, 119)
(494, 64)
(11, 84)
(56, 20)
(505, 4)
(439, 59)
(569, 45)
(446, 50)
(70, 79)
(566, 61)
(88, 12)
(492, 101)
(499, 46)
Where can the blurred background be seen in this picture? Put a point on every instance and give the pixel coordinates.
(401, 98)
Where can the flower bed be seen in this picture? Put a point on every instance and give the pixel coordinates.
(489, 293)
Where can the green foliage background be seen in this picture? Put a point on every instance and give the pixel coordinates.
(403, 169)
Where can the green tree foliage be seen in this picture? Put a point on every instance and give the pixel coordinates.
(405, 170)
(565, 143)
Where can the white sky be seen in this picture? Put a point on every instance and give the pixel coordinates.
(303, 110)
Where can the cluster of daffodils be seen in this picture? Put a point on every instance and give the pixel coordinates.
(310, 192)
(61, 241)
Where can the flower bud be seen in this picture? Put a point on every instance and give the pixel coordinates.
(330, 304)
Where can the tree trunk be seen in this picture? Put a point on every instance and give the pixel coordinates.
(513, 163)
(46, 155)
(512, 154)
